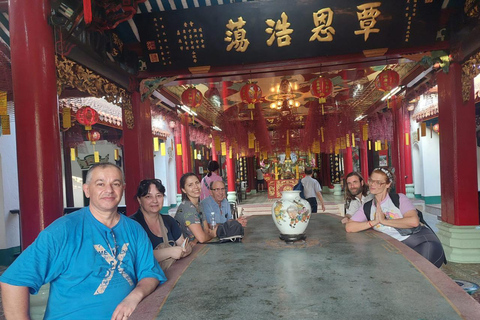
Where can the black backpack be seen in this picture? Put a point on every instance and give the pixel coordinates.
(230, 231)
(299, 187)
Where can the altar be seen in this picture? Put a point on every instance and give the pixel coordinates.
(275, 187)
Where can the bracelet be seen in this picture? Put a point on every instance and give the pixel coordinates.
(371, 226)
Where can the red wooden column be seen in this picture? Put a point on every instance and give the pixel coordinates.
(36, 117)
(457, 150)
(138, 150)
(214, 155)
(347, 161)
(231, 194)
(364, 158)
(186, 159)
(178, 163)
(398, 145)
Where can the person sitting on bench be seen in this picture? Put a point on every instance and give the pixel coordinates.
(395, 215)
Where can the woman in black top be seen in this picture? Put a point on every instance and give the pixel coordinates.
(150, 194)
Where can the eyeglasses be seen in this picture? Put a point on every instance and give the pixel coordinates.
(376, 182)
(219, 189)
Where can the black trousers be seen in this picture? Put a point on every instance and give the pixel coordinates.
(428, 245)
(313, 204)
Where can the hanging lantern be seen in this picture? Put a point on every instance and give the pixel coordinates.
(251, 93)
(387, 80)
(436, 127)
(192, 98)
(93, 136)
(321, 88)
(87, 116)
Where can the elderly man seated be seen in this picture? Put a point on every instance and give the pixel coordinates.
(218, 204)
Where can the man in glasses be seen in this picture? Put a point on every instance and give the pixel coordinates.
(218, 204)
(356, 194)
(98, 262)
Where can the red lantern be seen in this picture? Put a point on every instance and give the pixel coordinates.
(87, 116)
(321, 88)
(251, 93)
(387, 80)
(436, 127)
(192, 98)
(93, 136)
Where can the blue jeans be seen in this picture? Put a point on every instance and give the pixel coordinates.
(313, 204)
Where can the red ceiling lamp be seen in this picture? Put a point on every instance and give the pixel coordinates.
(251, 93)
(321, 88)
(192, 98)
(387, 80)
(87, 116)
(93, 136)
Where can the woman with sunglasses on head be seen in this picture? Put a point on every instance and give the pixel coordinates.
(163, 231)
(190, 213)
(401, 223)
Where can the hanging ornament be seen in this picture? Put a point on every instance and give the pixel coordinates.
(251, 93)
(93, 136)
(192, 98)
(387, 80)
(436, 127)
(87, 11)
(87, 116)
(321, 88)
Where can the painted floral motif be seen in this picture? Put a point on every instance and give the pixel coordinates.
(296, 212)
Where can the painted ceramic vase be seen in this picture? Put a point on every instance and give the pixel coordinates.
(291, 213)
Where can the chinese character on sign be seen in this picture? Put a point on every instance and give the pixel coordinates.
(280, 31)
(323, 30)
(239, 39)
(367, 18)
(187, 39)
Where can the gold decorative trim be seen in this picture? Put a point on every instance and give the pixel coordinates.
(199, 70)
(469, 71)
(70, 74)
(471, 9)
(375, 52)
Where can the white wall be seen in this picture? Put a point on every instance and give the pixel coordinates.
(9, 224)
(165, 171)
(104, 148)
(426, 163)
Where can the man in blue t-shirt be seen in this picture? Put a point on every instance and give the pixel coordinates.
(98, 262)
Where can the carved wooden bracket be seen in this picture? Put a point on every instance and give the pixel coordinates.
(70, 74)
(469, 71)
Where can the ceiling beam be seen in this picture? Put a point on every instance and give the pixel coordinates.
(291, 67)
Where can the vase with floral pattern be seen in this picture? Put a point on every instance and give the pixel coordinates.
(291, 214)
